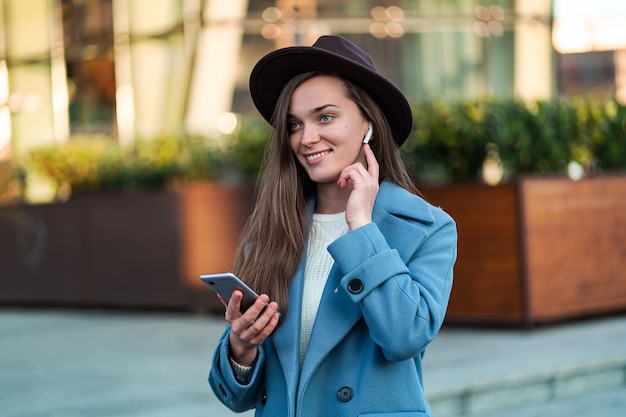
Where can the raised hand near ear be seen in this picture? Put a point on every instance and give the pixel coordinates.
(364, 182)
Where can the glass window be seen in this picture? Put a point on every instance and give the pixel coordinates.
(88, 41)
(430, 49)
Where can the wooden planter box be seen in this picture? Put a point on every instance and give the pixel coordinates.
(136, 250)
(536, 251)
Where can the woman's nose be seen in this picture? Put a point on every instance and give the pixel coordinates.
(310, 136)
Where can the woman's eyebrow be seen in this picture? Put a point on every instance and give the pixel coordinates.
(322, 107)
(315, 110)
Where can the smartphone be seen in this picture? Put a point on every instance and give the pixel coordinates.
(225, 283)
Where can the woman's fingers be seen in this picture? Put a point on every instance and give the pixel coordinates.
(233, 307)
(357, 172)
(250, 329)
(372, 163)
(223, 300)
(365, 186)
(254, 320)
(267, 329)
(264, 324)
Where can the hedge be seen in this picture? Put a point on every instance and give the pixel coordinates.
(449, 143)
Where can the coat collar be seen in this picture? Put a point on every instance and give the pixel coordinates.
(396, 201)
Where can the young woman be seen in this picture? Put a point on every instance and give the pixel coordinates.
(354, 268)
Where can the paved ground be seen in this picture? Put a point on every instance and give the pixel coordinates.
(562, 370)
(56, 363)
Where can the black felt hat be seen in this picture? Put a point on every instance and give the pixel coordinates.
(334, 55)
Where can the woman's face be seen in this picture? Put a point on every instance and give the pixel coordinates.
(326, 128)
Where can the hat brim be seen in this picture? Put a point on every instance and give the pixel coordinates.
(274, 70)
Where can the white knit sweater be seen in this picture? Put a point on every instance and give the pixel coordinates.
(325, 229)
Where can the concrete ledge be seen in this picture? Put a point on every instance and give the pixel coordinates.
(541, 388)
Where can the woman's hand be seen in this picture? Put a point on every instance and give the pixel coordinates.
(364, 189)
(251, 328)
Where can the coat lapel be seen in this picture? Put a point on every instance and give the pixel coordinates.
(337, 314)
(287, 338)
(397, 214)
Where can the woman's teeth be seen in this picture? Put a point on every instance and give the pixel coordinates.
(316, 155)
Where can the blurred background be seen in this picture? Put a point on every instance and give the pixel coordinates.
(139, 68)
(130, 147)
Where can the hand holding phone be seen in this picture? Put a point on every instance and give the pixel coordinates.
(247, 330)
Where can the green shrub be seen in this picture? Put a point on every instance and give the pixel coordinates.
(84, 164)
(97, 163)
(451, 141)
(11, 179)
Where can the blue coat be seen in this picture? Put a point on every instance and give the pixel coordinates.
(384, 302)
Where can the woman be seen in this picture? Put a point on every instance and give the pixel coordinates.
(358, 265)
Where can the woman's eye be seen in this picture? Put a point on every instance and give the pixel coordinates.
(292, 126)
(326, 118)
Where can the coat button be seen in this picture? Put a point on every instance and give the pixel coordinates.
(345, 394)
(264, 398)
(355, 286)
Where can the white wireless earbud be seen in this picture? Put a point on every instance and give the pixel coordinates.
(368, 136)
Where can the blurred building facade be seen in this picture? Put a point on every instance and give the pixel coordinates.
(141, 68)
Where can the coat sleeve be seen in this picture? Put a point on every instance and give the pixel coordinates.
(235, 395)
(403, 293)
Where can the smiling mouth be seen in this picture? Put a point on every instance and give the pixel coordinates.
(316, 155)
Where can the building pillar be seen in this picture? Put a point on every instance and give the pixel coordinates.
(215, 66)
(5, 114)
(151, 67)
(533, 50)
(620, 76)
(33, 82)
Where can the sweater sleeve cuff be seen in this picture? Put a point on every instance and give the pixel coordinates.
(242, 373)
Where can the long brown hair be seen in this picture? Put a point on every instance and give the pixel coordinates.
(274, 238)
